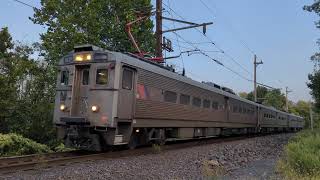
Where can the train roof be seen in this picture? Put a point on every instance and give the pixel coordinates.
(162, 70)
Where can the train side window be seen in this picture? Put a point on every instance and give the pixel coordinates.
(206, 103)
(170, 96)
(184, 99)
(196, 102)
(127, 79)
(102, 76)
(235, 109)
(85, 77)
(215, 105)
(64, 78)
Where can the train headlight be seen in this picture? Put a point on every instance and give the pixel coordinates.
(94, 108)
(62, 107)
(88, 57)
(83, 57)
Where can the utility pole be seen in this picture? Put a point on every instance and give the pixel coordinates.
(255, 64)
(287, 103)
(159, 28)
(311, 116)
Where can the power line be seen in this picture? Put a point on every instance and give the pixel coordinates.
(182, 60)
(221, 64)
(215, 60)
(231, 29)
(215, 44)
(25, 4)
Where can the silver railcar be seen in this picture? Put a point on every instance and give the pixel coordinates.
(107, 98)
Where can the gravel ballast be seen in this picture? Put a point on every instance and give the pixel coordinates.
(252, 158)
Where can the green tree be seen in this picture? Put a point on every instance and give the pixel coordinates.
(26, 96)
(275, 99)
(243, 95)
(314, 78)
(261, 93)
(98, 22)
(267, 97)
(301, 108)
(314, 85)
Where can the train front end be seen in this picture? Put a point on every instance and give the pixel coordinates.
(85, 98)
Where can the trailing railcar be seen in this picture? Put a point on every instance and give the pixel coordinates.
(107, 98)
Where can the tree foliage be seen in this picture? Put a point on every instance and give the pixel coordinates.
(261, 93)
(243, 95)
(314, 78)
(267, 97)
(97, 22)
(26, 95)
(275, 98)
(314, 85)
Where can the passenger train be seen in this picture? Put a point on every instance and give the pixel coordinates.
(107, 98)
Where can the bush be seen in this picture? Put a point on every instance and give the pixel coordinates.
(302, 156)
(13, 145)
(62, 148)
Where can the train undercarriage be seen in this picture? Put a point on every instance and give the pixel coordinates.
(93, 139)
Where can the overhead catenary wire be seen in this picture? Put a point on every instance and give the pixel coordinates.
(213, 59)
(226, 54)
(182, 60)
(25, 4)
(221, 64)
(244, 44)
(214, 44)
(230, 27)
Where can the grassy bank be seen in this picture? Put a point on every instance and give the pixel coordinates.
(301, 159)
(16, 145)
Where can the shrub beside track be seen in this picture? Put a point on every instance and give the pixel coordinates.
(301, 158)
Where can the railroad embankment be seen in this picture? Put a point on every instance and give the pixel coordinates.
(301, 157)
(252, 158)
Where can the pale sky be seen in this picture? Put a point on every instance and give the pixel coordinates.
(281, 34)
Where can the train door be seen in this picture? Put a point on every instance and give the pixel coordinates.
(258, 118)
(80, 91)
(227, 107)
(126, 94)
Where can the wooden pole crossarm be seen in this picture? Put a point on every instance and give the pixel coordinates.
(180, 21)
(187, 27)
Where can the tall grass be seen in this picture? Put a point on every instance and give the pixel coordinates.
(13, 144)
(301, 158)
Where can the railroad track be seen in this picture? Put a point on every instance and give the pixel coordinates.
(41, 161)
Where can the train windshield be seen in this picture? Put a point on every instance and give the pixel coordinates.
(85, 77)
(64, 77)
(102, 76)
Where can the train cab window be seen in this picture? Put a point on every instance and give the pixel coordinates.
(184, 99)
(215, 105)
(64, 78)
(127, 79)
(235, 109)
(102, 76)
(85, 77)
(196, 102)
(170, 96)
(206, 103)
(240, 109)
